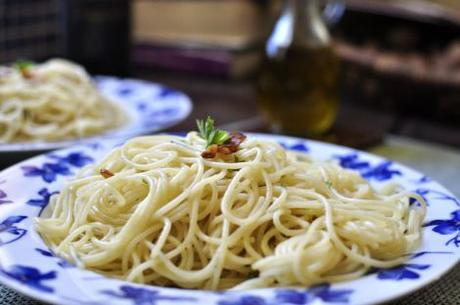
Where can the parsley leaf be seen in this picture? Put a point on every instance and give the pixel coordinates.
(22, 65)
(212, 135)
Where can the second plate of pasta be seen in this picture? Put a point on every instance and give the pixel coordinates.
(57, 104)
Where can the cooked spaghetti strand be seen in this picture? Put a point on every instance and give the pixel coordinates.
(264, 217)
(55, 100)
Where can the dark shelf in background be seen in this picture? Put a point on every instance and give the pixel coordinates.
(233, 103)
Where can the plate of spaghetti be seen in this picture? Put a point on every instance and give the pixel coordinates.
(56, 104)
(217, 217)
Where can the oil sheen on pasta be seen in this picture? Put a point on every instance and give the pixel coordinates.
(56, 100)
(261, 217)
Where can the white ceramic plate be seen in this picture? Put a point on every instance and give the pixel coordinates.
(150, 107)
(28, 267)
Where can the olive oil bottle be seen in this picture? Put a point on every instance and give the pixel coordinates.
(298, 85)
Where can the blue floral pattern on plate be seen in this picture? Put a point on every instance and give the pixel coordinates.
(62, 166)
(299, 146)
(323, 292)
(49, 275)
(8, 227)
(4, 198)
(76, 159)
(243, 300)
(423, 179)
(424, 192)
(30, 277)
(167, 92)
(448, 227)
(405, 271)
(44, 199)
(408, 271)
(48, 171)
(142, 296)
(60, 261)
(379, 172)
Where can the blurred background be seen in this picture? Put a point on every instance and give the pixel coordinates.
(400, 59)
(384, 73)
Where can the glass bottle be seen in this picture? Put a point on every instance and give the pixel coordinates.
(298, 85)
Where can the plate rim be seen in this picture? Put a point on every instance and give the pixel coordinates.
(43, 146)
(55, 299)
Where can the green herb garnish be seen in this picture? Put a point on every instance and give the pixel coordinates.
(22, 65)
(212, 135)
(328, 183)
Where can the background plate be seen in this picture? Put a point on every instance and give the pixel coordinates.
(151, 107)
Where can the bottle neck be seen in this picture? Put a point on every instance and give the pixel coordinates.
(300, 25)
(309, 29)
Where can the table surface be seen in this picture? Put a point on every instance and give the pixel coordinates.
(233, 107)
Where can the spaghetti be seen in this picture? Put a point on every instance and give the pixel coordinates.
(52, 101)
(262, 216)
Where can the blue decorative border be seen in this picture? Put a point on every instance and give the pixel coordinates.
(62, 164)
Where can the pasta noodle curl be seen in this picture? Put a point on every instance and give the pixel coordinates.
(53, 101)
(261, 217)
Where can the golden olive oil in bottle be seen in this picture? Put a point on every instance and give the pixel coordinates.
(298, 85)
